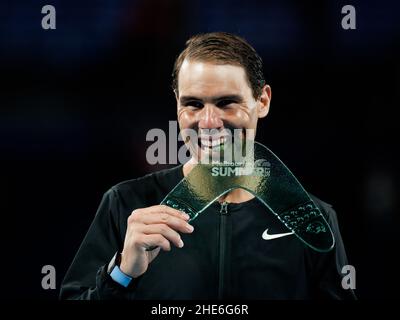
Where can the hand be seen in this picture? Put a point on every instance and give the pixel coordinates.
(147, 228)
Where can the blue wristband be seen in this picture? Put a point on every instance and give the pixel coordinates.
(118, 276)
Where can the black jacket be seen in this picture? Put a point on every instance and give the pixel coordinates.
(225, 256)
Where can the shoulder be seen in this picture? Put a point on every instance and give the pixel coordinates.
(157, 178)
(329, 213)
(124, 197)
(149, 189)
(320, 203)
(325, 207)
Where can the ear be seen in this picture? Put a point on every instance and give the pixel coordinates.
(264, 101)
(176, 95)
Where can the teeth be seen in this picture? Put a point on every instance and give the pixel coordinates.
(213, 143)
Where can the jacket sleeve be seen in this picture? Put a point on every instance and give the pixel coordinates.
(87, 277)
(328, 266)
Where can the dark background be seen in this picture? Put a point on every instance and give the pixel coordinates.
(76, 104)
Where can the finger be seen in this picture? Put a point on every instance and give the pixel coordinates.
(172, 221)
(153, 253)
(162, 209)
(165, 231)
(154, 240)
(174, 212)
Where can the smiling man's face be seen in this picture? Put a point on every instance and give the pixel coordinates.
(214, 97)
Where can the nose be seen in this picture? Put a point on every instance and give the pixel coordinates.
(210, 117)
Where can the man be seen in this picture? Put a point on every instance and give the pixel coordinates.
(138, 249)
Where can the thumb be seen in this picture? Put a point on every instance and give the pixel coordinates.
(153, 253)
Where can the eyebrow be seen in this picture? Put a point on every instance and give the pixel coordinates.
(214, 99)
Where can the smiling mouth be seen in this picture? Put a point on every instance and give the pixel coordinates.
(210, 144)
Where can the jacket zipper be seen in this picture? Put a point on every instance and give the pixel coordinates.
(222, 248)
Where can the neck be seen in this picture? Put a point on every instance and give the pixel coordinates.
(235, 196)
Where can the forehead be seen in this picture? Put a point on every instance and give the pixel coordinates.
(200, 78)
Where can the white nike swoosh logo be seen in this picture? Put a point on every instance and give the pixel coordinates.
(267, 236)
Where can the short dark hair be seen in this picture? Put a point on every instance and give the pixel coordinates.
(223, 48)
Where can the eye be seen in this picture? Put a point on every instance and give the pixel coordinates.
(225, 103)
(194, 104)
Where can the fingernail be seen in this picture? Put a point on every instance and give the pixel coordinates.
(185, 215)
(189, 227)
(180, 245)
